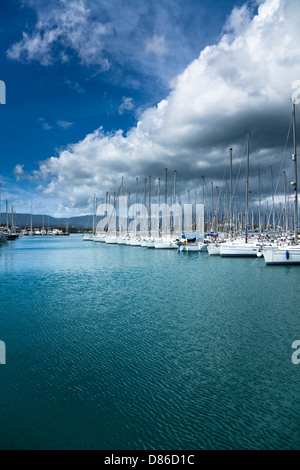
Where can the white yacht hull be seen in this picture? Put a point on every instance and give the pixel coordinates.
(282, 255)
(122, 241)
(165, 245)
(240, 251)
(134, 242)
(192, 247)
(85, 238)
(213, 249)
(99, 239)
(111, 241)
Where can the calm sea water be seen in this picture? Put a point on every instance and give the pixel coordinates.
(116, 347)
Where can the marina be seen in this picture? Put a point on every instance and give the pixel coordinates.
(149, 227)
(166, 227)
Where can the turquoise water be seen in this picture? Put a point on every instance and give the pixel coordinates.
(117, 347)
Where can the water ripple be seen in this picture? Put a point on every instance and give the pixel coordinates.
(113, 347)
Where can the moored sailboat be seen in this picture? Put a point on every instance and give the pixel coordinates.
(287, 254)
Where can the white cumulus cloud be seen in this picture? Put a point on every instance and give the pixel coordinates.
(242, 82)
(61, 32)
(126, 105)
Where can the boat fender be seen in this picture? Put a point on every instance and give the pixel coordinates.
(287, 255)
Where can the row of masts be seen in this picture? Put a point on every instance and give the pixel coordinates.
(226, 219)
(271, 218)
(10, 221)
(8, 214)
(219, 217)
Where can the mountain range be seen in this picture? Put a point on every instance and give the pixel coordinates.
(38, 221)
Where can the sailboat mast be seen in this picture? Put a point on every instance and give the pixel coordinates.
(273, 203)
(175, 176)
(150, 203)
(202, 177)
(145, 192)
(6, 214)
(217, 208)
(247, 181)
(158, 191)
(230, 197)
(94, 207)
(212, 204)
(0, 202)
(224, 209)
(259, 201)
(294, 158)
(166, 186)
(195, 216)
(285, 203)
(136, 200)
(106, 215)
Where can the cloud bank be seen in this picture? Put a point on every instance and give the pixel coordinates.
(244, 82)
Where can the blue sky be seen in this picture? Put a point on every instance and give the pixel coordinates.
(81, 74)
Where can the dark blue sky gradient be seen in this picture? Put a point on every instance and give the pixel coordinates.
(36, 92)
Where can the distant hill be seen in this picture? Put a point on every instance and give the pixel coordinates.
(23, 221)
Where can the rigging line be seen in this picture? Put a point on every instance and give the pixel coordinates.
(297, 112)
(269, 213)
(255, 261)
(206, 187)
(239, 172)
(222, 182)
(115, 202)
(156, 182)
(132, 187)
(283, 155)
(218, 201)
